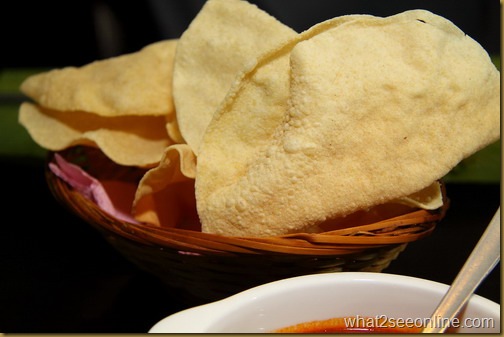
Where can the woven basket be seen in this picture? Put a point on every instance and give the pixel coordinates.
(210, 267)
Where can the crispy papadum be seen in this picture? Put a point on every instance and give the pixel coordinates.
(127, 140)
(165, 195)
(137, 84)
(223, 39)
(353, 116)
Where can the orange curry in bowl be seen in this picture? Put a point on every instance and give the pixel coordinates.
(350, 325)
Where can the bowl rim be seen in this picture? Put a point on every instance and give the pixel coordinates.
(206, 313)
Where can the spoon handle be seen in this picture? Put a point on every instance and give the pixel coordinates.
(480, 263)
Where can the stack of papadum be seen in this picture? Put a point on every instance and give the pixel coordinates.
(266, 131)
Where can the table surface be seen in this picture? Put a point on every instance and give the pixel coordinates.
(59, 274)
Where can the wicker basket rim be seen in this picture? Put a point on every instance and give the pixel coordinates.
(402, 229)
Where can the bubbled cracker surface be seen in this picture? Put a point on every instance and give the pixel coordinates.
(376, 109)
(225, 37)
(138, 83)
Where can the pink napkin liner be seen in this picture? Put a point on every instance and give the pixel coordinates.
(112, 197)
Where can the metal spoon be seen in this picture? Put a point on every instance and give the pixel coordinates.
(480, 263)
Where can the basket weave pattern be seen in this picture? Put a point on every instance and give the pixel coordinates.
(211, 267)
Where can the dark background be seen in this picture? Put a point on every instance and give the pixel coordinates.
(57, 274)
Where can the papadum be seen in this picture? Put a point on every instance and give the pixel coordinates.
(374, 109)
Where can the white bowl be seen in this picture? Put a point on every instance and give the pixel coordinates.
(323, 296)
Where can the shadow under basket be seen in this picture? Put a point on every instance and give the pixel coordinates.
(210, 267)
